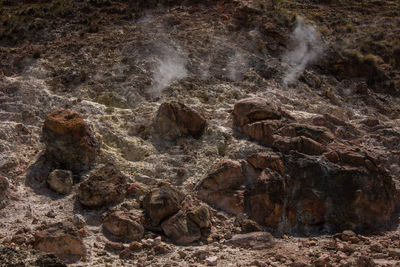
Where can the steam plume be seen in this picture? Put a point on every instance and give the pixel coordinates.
(306, 49)
(170, 67)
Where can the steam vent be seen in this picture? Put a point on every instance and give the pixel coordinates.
(200, 133)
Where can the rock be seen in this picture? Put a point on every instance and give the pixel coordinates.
(69, 142)
(365, 261)
(249, 226)
(61, 239)
(266, 198)
(105, 185)
(135, 246)
(175, 119)
(200, 216)
(212, 261)
(161, 203)
(181, 229)
(221, 187)
(227, 174)
(267, 160)
(4, 184)
(60, 181)
(114, 246)
(124, 225)
(254, 109)
(79, 221)
(255, 240)
(322, 261)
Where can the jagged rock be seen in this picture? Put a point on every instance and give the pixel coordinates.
(69, 142)
(124, 225)
(300, 143)
(175, 119)
(227, 174)
(60, 181)
(267, 160)
(181, 229)
(266, 198)
(255, 240)
(201, 216)
(221, 188)
(4, 184)
(105, 185)
(161, 203)
(61, 239)
(302, 193)
(254, 109)
(336, 197)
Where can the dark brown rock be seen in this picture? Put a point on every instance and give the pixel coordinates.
(181, 229)
(266, 199)
(60, 181)
(267, 160)
(69, 142)
(61, 239)
(227, 174)
(161, 203)
(175, 119)
(255, 240)
(201, 216)
(124, 225)
(222, 187)
(4, 184)
(105, 185)
(254, 109)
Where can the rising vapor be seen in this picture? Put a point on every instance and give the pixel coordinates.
(307, 48)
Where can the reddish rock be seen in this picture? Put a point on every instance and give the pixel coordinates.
(267, 160)
(61, 239)
(124, 225)
(69, 142)
(266, 199)
(227, 174)
(161, 203)
(175, 119)
(181, 229)
(105, 185)
(200, 216)
(231, 201)
(261, 131)
(222, 187)
(254, 109)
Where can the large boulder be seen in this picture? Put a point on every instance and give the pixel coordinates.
(342, 189)
(222, 187)
(61, 239)
(254, 109)
(124, 225)
(105, 185)
(175, 119)
(69, 142)
(161, 203)
(181, 229)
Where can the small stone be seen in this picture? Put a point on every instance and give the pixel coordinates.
(60, 181)
(115, 246)
(212, 261)
(135, 246)
(79, 220)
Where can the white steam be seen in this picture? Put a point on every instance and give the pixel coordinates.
(237, 66)
(170, 67)
(306, 49)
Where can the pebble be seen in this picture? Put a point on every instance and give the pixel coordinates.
(212, 261)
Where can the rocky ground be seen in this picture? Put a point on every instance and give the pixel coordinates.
(220, 133)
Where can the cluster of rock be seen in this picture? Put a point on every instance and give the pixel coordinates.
(311, 183)
(164, 212)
